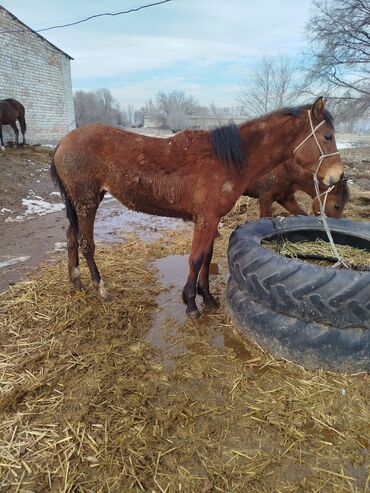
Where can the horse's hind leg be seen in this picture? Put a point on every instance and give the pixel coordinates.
(22, 123)
(86, 212)
(16, 131)
(73, 261)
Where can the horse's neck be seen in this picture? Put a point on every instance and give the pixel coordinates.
(268, 143)
(299, 178)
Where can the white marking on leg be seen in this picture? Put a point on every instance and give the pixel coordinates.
(75, 273)
(2, 148)
(102, 290)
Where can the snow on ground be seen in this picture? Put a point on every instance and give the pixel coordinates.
(12, 260)
(344, 145)
(35, 206)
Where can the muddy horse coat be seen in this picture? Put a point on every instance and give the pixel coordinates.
(195, 175)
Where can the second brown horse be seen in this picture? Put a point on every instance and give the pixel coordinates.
(280, 184)
(197, 175)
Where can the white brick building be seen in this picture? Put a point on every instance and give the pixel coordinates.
(38, 75)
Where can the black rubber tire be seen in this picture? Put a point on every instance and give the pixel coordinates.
(336, 297)
(309, 344)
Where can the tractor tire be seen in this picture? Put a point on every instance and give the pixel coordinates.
(339, 298)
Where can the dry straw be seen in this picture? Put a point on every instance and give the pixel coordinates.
(88, 404)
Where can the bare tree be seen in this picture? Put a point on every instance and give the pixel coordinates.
(97, 107)
(172, 110)
(271, 85)
(339, 34)
(130, 115)
(177, 119)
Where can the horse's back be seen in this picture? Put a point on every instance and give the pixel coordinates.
(10, 110)
(16, 104)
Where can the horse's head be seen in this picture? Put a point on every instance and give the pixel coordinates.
(315, 148)
(335, 201)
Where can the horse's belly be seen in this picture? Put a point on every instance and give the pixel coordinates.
(151, 202)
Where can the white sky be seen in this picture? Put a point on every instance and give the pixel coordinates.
(202, 47)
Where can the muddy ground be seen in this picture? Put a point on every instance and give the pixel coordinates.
(130, 395)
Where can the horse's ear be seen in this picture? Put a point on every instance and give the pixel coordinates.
(318, 107)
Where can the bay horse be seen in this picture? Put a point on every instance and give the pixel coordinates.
(280, 184)
(195, 175)
(12, 110)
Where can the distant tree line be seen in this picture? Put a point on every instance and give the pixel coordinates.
(169, 111)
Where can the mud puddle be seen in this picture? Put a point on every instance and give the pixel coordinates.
(25, 244)
(171, 326)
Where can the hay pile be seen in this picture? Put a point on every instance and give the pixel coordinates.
(87, 404)
(320, 252)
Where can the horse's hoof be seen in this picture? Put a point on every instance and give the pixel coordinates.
(194, 314)
(77, 285)
(2, 148)
(102, 291)
(211, 302)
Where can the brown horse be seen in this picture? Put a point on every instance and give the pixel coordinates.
(195, 175)
(280, 184)
(12, 110)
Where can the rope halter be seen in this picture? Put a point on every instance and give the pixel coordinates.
(322, 204)
(313, 134)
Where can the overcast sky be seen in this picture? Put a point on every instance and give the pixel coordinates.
(203, 47)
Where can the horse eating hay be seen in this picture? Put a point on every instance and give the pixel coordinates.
(195, 175)
(280, 184)
(12, 110)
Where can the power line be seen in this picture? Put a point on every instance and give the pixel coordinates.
(90, 17)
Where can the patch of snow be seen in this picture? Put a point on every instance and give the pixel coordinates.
(35, 206)
(13, 261)
(60, 246)
(4, 210)
(55, 193)
(39, 206)
(344, 145)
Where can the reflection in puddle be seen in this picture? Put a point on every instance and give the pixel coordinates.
(168, 331)
(228, 340)
(114, 220)
(171, 310)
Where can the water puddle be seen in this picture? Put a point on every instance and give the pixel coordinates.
(114, 221)
(172, 333)
(172, 273)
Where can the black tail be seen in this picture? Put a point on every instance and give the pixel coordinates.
(22, 123)
(70, 208)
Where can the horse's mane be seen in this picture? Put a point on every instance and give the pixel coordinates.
(297, 111)
(227, 146)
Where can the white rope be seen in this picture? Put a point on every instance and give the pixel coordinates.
(322, 205)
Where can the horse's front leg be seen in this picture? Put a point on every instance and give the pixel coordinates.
(2, 147)
(292, 206)
(203, 281)
(201, 251)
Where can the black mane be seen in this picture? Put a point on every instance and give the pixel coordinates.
(297, 110)
(227, 146)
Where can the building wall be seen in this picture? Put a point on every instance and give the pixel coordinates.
(38, 75)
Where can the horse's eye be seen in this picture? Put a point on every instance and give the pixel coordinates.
(328, 137)
(336, 206)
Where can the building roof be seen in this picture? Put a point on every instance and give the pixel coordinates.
(29, 29)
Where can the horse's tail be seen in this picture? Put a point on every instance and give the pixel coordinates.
(70, 208)
(22, 122)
